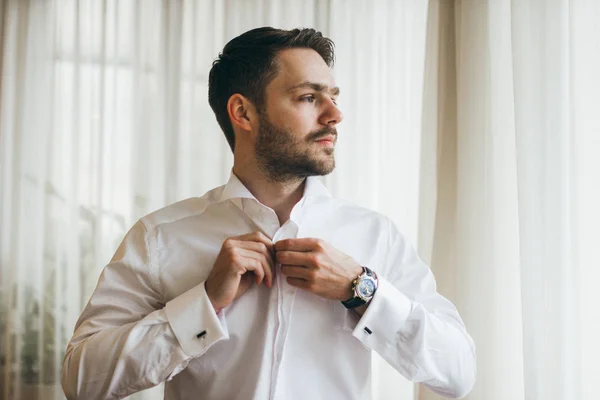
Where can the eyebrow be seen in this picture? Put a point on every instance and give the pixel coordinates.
(319, 87)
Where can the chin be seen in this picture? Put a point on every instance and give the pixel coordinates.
(325, 168)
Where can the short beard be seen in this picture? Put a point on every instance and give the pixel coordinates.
(280, 157)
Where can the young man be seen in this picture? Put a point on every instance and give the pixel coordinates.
(267, 287)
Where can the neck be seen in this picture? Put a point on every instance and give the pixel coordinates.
(281, 197)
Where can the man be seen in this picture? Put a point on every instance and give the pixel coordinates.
(267, 287)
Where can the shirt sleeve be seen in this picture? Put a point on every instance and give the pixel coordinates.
(127, 339)
(415, 329)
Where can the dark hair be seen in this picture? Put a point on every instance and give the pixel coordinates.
(248, 63)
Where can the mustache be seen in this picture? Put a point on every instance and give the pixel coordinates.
(321, 133)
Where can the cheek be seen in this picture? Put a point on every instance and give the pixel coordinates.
(300, 122)
(292, 116)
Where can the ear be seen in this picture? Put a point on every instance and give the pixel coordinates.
(241, 112)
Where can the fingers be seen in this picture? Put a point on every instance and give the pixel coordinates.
(256, 237)
(258, 247)
(303, 244)
(241, 259)
(295, 258)
(257, 253)
(294, 271)
(265, 260)
(299, 283)
(256, 267)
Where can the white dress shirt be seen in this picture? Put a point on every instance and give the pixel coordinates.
(149, 319)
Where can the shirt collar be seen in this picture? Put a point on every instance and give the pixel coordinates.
(235, 189)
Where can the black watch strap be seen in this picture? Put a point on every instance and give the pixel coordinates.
(354, 302)
(357, 301)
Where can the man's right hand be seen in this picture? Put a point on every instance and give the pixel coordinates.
(241, 259)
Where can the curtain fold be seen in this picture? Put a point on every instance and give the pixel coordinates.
(556, 85)
(516, 180)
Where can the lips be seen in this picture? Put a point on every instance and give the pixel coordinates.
(327, 140)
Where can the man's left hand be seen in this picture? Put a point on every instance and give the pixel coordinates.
(316, 266)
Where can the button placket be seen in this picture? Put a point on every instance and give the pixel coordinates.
(285, 300)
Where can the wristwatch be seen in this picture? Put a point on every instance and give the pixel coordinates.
(364, 288)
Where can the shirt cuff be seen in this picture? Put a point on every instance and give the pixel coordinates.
(195, 322)
(386, 314)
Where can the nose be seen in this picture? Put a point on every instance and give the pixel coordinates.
(332, 115)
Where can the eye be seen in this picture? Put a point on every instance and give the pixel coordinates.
(334, 100)
(309, 99)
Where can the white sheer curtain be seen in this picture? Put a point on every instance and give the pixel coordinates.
(518, 189)
(104, 118)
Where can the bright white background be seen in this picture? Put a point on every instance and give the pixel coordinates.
(474, 124)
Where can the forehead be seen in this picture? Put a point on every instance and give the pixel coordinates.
(300, 65)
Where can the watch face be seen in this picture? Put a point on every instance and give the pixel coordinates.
(366, 288)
